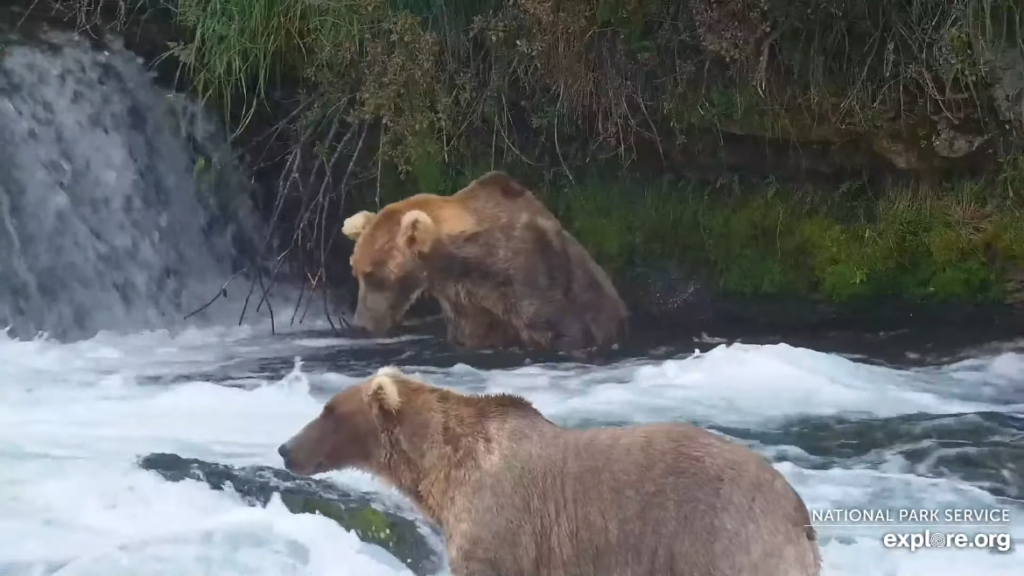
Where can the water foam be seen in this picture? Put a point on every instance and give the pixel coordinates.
(73, 498)
(73, 417)
(742, 385)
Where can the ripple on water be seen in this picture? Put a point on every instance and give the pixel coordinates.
(74, 417)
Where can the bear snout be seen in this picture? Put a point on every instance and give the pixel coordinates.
(372, 325)
(285, 451)
(297, 458)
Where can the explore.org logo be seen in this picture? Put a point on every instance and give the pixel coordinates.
(918, 529)
(927, 539)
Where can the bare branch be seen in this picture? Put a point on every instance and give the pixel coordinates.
(222, 293)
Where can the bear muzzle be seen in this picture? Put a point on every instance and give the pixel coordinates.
(299, 460)
(285, 451)
(372, 324)
(294, 464)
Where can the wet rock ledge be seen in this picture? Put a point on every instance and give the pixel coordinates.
(257, 484)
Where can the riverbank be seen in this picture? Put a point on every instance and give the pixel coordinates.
(696, 166)
(746, 257)
(961, 241)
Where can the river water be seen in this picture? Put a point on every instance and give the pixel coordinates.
(847, 434)
(109, 238)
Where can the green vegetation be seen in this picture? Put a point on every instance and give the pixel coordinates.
(399, 536)
(603, 106)
(961, 242)
(367, 522)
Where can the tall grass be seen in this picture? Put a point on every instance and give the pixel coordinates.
(243, 46)
(604, 73)
(613, 67)
(896, 57)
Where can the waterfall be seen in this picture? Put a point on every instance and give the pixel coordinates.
(113, 215)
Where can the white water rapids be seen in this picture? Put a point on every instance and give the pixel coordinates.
(106, 224)
(74, 417)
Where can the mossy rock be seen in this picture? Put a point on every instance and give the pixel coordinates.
(355, 512)
(370, 524)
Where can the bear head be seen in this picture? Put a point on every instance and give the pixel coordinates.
(350, 430)
(387, 261)
(418, 437)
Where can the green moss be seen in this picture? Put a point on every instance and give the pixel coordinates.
(957, 243)
(367, 522)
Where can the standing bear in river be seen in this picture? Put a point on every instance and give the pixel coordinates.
(517, 495)
(504, 270)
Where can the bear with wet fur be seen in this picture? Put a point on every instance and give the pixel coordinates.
(518, 495)
(503, 269)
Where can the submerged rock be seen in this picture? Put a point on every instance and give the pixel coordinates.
(257, 484)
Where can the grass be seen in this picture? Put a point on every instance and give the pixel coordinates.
(608, 68)
(961, 242)
(543, 89)
(603, 71)
(854, 57)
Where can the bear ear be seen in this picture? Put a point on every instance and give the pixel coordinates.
(382, 392)
(356, 224)
(417, 231)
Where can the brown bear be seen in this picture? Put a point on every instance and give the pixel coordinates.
(517, 495)
(503, 269)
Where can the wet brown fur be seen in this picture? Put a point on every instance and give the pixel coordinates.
(517, 495)
(503, 268)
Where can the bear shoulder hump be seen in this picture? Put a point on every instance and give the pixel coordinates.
(495, 184)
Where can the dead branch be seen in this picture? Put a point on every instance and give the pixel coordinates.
(309, 301)
(298, 302)
(558, 150)
(270, 308)
(654, 130)
(289, 175)
(327, 312)
(296, 162)
(222, 293)
(273, 277)
(761, 79)
(343, 189)
(274, 130)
